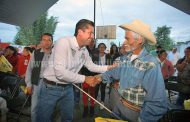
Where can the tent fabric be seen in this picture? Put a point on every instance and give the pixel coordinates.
(23, 12)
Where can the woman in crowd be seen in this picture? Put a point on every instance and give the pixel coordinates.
(11, 55)
(114, 52)
(166, 66)
(103, 59)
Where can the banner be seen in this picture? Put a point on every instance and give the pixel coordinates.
(100, 119)
(5, 66)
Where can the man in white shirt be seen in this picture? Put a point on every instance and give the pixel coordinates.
(174, 56)
(68, 56)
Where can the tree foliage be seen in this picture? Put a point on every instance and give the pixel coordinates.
(32, 34)
(163, 39)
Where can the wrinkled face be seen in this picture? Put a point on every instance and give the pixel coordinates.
(101, 48)
(25, 52)
(86, 35)
(46, 42)
(130, 42)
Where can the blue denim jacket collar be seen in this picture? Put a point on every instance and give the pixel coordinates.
(133, 72)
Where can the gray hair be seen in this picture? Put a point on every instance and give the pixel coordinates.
(136, 36)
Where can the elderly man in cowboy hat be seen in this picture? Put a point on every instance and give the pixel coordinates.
(141, 93)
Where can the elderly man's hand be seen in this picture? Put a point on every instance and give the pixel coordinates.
(98, 78)
(93, 80)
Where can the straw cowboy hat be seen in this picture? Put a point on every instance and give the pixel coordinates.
(142, 29)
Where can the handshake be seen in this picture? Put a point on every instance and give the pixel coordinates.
(93, 80)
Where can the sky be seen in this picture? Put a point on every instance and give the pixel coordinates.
(112, 12)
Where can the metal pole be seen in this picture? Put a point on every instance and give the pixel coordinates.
(97, 102)
(94, 18)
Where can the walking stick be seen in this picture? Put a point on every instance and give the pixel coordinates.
(97, 102)
(23, 107)
(15, 88)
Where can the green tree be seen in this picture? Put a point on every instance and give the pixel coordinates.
(31, 34)
(163, 39)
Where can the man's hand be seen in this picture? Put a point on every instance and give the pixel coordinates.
(98, 78)
(91, 81)
(29, 90)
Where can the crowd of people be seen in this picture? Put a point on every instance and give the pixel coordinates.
(137, 78)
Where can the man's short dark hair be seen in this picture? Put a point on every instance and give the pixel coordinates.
(161, 51)
(13, 49)
(28, 49)
(47, 34)
(83, 24)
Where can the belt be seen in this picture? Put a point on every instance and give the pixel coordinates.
(54, 83)
(130, 105)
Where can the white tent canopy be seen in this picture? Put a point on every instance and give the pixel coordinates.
(23, 12)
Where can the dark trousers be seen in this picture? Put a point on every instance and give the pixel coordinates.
(102, 87)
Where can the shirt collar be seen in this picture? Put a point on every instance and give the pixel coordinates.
(75, 45)
(143, 53)
(42, 51)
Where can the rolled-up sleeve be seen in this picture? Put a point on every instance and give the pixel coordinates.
(94, 67)
(61, 64)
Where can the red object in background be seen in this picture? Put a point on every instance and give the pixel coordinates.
(90, 90)
(13, 61)
(22, 64)
(3, 45)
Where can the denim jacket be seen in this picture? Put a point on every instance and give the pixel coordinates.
(145, 71)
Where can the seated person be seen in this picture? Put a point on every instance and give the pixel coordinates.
(115, 84)
(11, 55)
(183, 68)
(166, 66)
(141, 94)
(8, 82)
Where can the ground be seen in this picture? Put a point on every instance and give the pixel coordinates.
(15, 106)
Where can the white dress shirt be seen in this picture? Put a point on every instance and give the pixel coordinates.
(67, 59)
